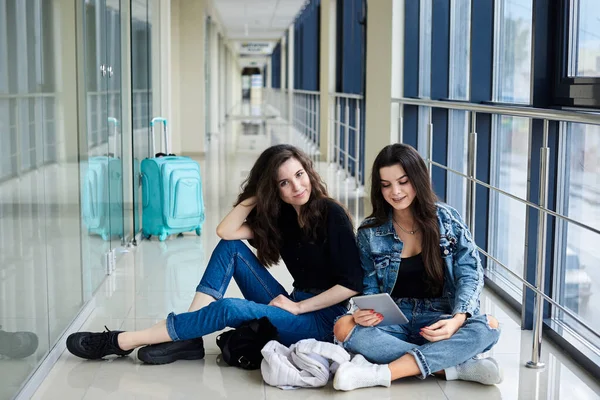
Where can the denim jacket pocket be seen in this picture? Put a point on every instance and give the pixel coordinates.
(382, 264)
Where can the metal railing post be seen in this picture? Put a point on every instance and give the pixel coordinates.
(305, 130)
(472, 172)
(330, 131)
(338, 131)
(536, 350)
(401, 123)
(430, 142)
(357, 145)
(347, 138)
(318, 125)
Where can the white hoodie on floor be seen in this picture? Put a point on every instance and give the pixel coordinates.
(308, 363)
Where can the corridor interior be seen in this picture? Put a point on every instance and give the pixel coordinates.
(156, 278)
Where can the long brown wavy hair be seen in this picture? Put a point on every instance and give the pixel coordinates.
(423, 206)
(262, 183)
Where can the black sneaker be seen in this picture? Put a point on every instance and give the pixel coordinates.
(93, 346)
(165, 353)
(18, 344)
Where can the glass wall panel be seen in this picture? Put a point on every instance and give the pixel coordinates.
(141, 80)
(460, 50)
(585, 38)
(456, 192)
(208, 54)
(510, 140)
(577, 276)
(40, 252)
(425, 18)
(97, 153)
(512, 52)
(509, 166)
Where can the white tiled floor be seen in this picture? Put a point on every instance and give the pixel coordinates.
(157, 278)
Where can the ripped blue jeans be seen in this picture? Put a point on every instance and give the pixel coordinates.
(382, 345)
(232, 259)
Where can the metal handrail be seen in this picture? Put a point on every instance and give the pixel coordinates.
(531, 113)
(516, 111)
(337, 126)
(27, 95)
(300, 91)
(347, 95)
(544, 295)
(517, 198)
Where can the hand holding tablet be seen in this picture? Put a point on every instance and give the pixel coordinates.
(384, 305)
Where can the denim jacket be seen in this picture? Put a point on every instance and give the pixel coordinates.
(380, 252)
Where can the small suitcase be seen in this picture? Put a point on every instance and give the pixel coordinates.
(103, 194)
(171, 192)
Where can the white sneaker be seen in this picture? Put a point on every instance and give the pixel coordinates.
(483, 370)
(356, 374)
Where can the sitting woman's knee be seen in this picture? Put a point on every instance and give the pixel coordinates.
(492, 322)
(342, 327)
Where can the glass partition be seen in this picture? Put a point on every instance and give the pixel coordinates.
(101, 168)
(40, 252)
(143, 15)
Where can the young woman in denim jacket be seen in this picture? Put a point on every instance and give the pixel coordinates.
(422, 254)
(285, 212)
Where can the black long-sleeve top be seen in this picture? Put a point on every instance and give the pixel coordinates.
(332, 259)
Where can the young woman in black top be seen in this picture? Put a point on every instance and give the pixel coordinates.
(285, 212)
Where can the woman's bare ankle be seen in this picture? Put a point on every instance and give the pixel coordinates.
(124, 343)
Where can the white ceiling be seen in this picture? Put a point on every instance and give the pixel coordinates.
(247, 20)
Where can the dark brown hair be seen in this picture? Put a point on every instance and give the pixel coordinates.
(262, 183)
(423, 206)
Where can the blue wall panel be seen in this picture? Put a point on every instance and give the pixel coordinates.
(276, 67)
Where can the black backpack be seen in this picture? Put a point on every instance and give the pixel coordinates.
(241, 347)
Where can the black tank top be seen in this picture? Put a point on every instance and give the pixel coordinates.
(412, 280)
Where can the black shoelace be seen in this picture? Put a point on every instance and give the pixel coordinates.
(97, 342)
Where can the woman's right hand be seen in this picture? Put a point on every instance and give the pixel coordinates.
(367, 317)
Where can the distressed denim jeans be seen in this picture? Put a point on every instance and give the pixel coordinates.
(233, 259)
(382, 345)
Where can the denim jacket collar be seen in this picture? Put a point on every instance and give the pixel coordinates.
(387, 228)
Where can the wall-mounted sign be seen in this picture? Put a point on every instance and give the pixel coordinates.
(256, 47)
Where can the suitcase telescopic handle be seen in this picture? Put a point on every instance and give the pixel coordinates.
(165, 132)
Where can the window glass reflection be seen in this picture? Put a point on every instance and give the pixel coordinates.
(586, 38)
(512, 54)
(510, 153)
(578, 277)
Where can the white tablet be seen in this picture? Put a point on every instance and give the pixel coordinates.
(384, 305)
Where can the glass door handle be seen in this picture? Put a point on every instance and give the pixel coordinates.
(110, 71)
(103, 70)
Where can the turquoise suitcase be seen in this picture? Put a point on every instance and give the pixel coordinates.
(172, 200)
(103, 197)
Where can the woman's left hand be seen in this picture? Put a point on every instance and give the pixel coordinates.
(286, 304)
(443, 329)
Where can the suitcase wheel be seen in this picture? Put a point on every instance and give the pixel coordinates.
(162, 237)
(198, 231)
(147, 237)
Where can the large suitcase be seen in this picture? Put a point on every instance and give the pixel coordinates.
(103, 195)
(171, 192)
